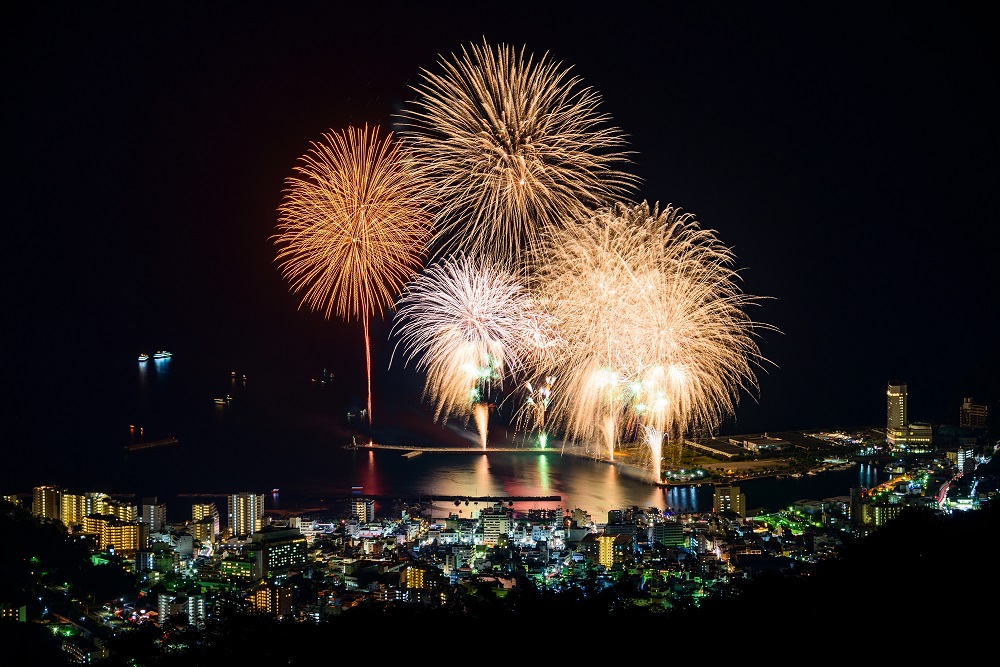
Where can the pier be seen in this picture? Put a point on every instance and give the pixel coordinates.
(430, 498)
(152, 443)
(413, 450)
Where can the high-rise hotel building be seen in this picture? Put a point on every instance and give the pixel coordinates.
(895, 414)
(899, 432)
(245, 514)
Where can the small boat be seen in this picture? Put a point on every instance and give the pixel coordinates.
(162, 354)
(143, 357)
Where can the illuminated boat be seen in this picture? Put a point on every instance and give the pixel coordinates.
(143, 357)
(162, 354)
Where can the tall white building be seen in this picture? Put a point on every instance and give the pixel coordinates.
(154, 514)
(171, 605)
(245, 513)
(496, 523)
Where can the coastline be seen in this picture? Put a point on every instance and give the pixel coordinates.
(721, 473)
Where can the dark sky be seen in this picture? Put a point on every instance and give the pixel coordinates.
(847, 153)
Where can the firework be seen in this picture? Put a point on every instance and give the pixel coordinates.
(658, 342)
(515, 147)
(531, 415)
(353, 227)
(465, 322)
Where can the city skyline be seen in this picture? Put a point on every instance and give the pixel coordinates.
(847, 163)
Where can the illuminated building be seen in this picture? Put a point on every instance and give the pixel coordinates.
(972, 415)
(729, 499)
(113, 533)
(77, 506)
(154, 514)
(47, 502)
(144, 560)
(245, 514)
(363, 509)
(246, 568)
(281, 548)
(209, 511)
(496, 522)
(919, 437)
(899, 432)
(13, 612)
(882, 513)
(169, 606)
(203, 531)
(612, 549)
(963, 458)
(269, 598)
(895, 414)
(416, 577)
(669, 534)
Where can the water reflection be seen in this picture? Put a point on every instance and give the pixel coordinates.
(867, 476)
(684, 500)
(596, 487)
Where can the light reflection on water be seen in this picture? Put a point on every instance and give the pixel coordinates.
(594, 486)
(271, 437)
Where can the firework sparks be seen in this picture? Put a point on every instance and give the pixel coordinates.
(353, 227)
(515, 147)
(531, 415)
(659, 344)
(464, 321)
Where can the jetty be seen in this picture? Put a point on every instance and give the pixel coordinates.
(431, 497)
(151, 444)
(416, 450)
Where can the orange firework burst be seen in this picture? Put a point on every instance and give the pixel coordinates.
(514, 147)
(353, 227)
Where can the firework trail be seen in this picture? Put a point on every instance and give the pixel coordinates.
(466, 323)
(659, 344)
(531, 415)
(353, 227)
(515, 148)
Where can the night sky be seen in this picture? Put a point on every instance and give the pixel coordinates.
(847, 154)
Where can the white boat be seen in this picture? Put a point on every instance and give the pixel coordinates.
(143, 357)
(162, 354)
